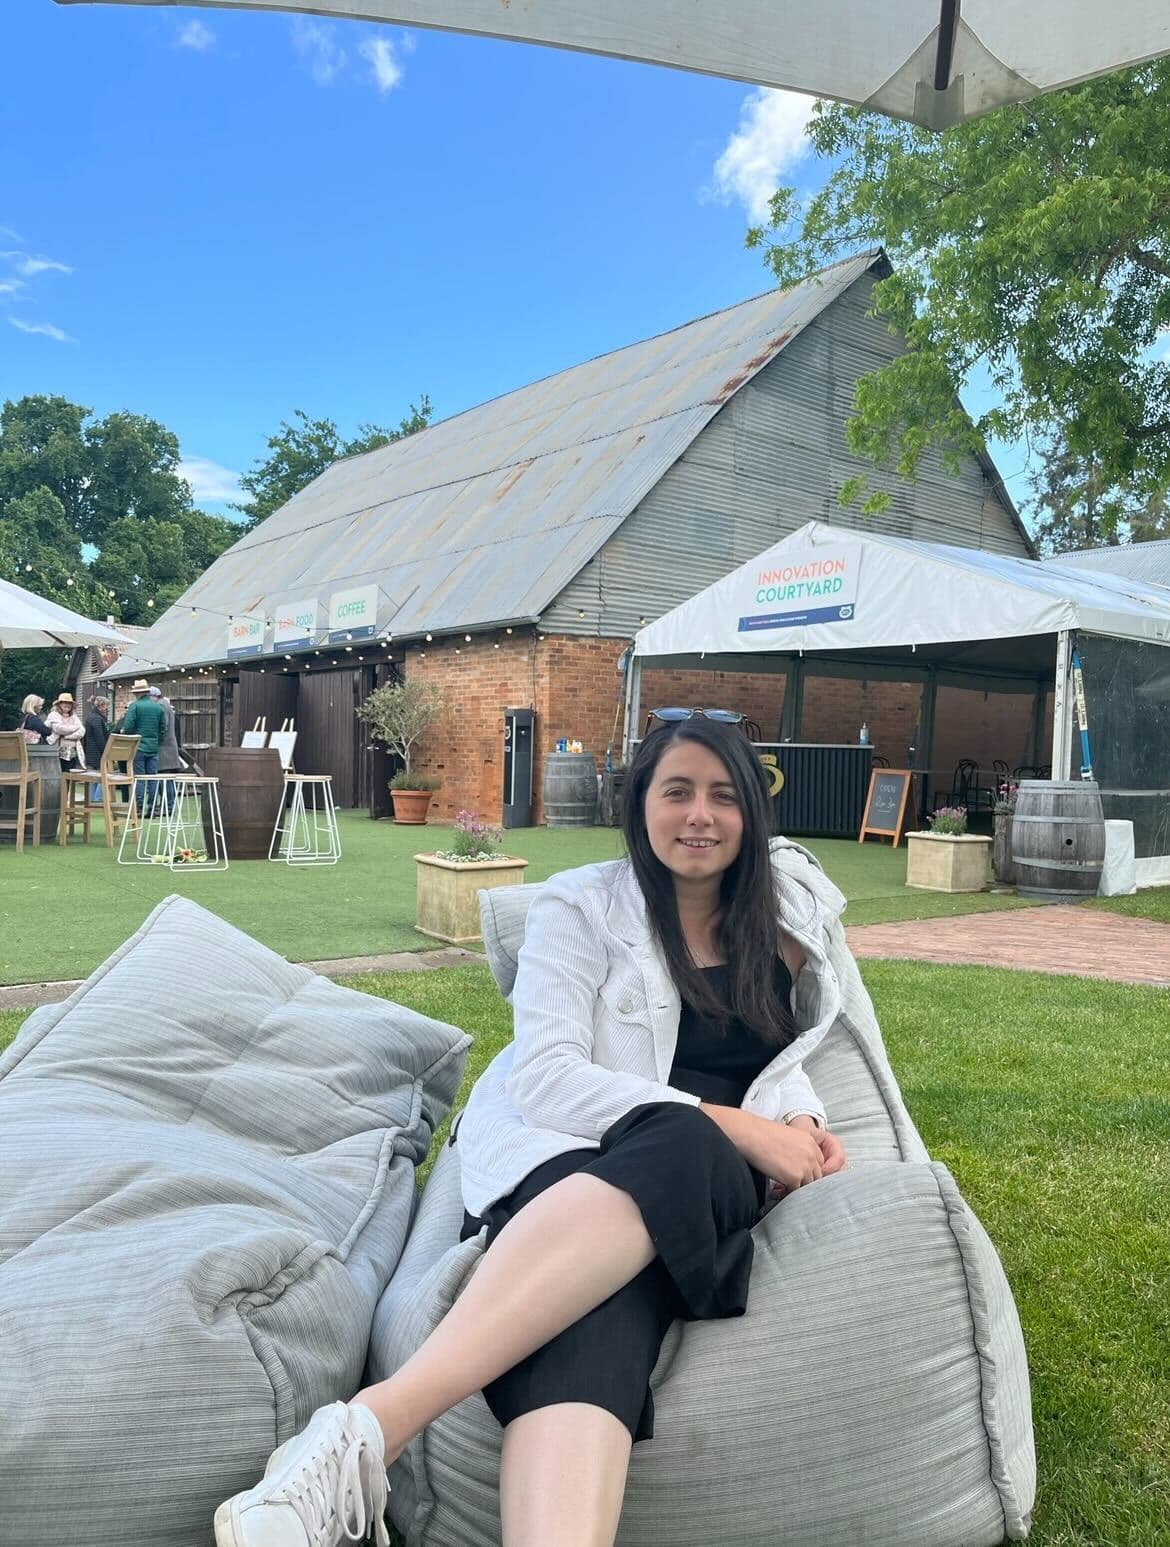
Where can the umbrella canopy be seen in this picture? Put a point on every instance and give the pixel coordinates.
(936, 62)
(30, 622)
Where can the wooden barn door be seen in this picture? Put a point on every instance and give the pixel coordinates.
(330, 739)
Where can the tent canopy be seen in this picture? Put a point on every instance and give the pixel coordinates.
(837, 593)
(31, 622)
(936, 62)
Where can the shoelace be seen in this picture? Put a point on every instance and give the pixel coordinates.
(346, 1487)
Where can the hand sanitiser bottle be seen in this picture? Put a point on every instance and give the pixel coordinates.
(863, 734)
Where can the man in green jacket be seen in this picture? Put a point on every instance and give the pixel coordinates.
(146, 719)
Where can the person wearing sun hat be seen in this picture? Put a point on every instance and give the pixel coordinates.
(66, 724)
(147, 719)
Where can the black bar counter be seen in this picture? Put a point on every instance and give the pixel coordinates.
(817, 790)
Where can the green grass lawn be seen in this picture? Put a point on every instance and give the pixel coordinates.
(1151, 904)
(62, 911)
(1047, 1098)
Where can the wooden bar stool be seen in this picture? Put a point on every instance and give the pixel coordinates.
(14, 749)
(77, 809)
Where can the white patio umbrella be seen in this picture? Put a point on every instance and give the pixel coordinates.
(936, 62)
(31, 622)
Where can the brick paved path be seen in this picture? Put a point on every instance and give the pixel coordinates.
(1084, 941)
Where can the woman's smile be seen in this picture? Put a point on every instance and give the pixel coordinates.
(693, 818)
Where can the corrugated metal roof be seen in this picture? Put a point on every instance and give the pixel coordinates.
(1138, 561)
(484, 518)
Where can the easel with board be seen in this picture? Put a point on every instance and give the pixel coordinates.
(885, 804)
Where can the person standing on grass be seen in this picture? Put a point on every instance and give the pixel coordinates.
(618, 1153)
(169, 746)
(68, 727)
(36, 730)
(145, 719)
(97, 733)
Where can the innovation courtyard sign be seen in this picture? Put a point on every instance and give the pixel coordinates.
(353, 614)
(818, 586)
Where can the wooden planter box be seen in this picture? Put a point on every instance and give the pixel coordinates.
(447, 906)
(944, 862)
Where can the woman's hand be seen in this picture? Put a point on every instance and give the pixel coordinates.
(787, 1154)
(832, 1153)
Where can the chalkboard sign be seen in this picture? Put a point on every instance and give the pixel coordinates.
(885, 805)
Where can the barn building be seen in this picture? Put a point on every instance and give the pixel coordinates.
(511, 552)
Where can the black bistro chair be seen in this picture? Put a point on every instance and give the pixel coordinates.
(966, 790)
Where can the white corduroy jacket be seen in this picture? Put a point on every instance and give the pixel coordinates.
(596, 1022)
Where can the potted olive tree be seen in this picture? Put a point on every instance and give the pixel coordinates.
(397, 714)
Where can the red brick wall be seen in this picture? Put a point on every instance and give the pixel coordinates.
(759, 696)
(575, 688)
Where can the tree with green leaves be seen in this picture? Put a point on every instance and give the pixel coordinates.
(302, 450)
(95, 514)
(1034, 242)
(1075, 507)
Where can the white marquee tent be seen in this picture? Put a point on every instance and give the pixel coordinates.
(32, 622)
(936, 62)
(832, 601)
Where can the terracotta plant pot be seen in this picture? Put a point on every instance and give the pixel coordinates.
(447, 905)
(411, 806)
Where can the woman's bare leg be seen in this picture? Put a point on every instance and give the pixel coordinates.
(564, 1253)
(563, 1476)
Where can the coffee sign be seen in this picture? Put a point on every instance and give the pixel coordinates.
(353, 614)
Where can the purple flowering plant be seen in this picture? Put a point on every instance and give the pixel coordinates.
(949, 820)
(472, 838)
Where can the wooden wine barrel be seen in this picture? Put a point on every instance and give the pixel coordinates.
(251, 789)
(570, 789)
(1058, 839)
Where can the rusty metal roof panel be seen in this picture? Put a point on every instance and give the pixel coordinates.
(488, 515)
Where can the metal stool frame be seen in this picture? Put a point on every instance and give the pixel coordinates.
(306, 834)
(190, 819)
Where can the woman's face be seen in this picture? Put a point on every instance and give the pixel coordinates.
(692, 813)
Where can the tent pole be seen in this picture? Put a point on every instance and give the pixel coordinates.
(793, 711)
(1039, 699)
(924, 749)
(633, 705)
(1061, 709)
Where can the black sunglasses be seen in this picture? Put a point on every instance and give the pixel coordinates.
(720, 716)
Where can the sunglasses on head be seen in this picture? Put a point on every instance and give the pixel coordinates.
(720, 716)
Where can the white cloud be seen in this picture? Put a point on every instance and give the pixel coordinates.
(11, 286)
(316, 43)
(210, 481)
(26, 265)
(193, 34)
(385, 66)
(770, 140)
(10, 235)
(45, 328)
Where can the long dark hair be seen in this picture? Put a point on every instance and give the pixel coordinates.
(749, 923)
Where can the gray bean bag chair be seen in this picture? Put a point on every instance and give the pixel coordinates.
(208, 1164)
(875, 1394)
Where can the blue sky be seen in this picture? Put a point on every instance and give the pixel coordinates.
(216, 218)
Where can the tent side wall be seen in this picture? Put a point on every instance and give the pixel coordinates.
(1127, 694)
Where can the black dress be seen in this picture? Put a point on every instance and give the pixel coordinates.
(699, 1199)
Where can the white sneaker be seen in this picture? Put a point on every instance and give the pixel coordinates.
(325, 1486)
